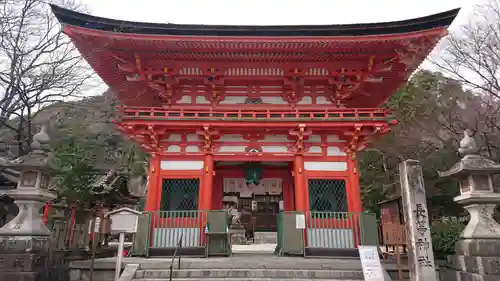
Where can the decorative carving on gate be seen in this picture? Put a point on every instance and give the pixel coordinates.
(299, 134)
(207, 135)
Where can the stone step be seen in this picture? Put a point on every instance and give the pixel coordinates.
(245, 279)
(252, 273)
(251, 261)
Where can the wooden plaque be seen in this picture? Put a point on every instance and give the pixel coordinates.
(394, 234)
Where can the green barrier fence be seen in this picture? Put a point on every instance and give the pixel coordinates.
(340, 230)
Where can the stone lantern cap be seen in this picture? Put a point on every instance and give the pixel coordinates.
(472, 165)
(38, 158)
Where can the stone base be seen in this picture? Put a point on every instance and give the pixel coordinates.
(25, 259)
(449, 274)
(475, 264)
(475, 260)
(18, 276)
(11, 244)
(478, 247)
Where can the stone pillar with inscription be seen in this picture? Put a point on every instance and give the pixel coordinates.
(24, 241)
(420, 255)
(478, 250)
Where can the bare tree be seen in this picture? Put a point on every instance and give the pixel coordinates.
(39, 65)
(471, 55)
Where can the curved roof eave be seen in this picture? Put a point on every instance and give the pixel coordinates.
(440, 20)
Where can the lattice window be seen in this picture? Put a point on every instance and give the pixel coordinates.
(180, 195)
(327, 195)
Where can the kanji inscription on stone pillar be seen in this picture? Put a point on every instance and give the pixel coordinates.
(420, 255)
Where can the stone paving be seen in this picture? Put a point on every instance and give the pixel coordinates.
(241, 266)
(242, 261)
(254, 248)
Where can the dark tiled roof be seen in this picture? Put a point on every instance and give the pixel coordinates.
(443, 19)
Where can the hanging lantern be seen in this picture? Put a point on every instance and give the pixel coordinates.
(253, 173)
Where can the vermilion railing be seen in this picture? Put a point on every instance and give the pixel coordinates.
(340, 230)
(168, 226)
(334, 114)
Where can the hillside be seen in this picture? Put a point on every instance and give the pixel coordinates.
(91, 117)
(89, 123)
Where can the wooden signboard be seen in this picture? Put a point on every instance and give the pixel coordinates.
(395, 235)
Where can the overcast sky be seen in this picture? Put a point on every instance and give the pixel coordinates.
(276, 12)
(272, 12)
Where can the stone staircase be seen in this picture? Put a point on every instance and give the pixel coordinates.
(254, 268)
(249, 275)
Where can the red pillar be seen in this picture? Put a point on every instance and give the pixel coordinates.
(354, 189)
(299, 180)
(217, 192)
(301, 190)
(288, 196)
(208, 182)
(153, 196)
(354, 196)
(206, 194)
(154, 184)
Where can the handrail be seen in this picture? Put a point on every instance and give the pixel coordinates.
(191, 108)
(159, 112)
(176, 252)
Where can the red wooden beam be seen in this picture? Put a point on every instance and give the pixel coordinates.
(239, 43)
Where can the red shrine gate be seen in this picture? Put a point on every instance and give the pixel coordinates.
(205, 101)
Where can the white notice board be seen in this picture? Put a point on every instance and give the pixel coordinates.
(124, 222)
(300, 221)
(370, 262)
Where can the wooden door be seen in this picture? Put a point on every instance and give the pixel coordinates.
(266, 215)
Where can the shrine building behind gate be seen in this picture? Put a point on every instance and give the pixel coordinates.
(219, 106)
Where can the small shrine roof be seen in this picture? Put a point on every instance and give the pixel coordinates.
(115, 187)
(73, 18)
(472, 164)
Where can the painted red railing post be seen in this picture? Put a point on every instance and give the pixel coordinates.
(71, 224)
(46, 211)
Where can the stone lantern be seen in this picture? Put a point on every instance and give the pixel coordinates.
(24, 240)
(478, 249)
